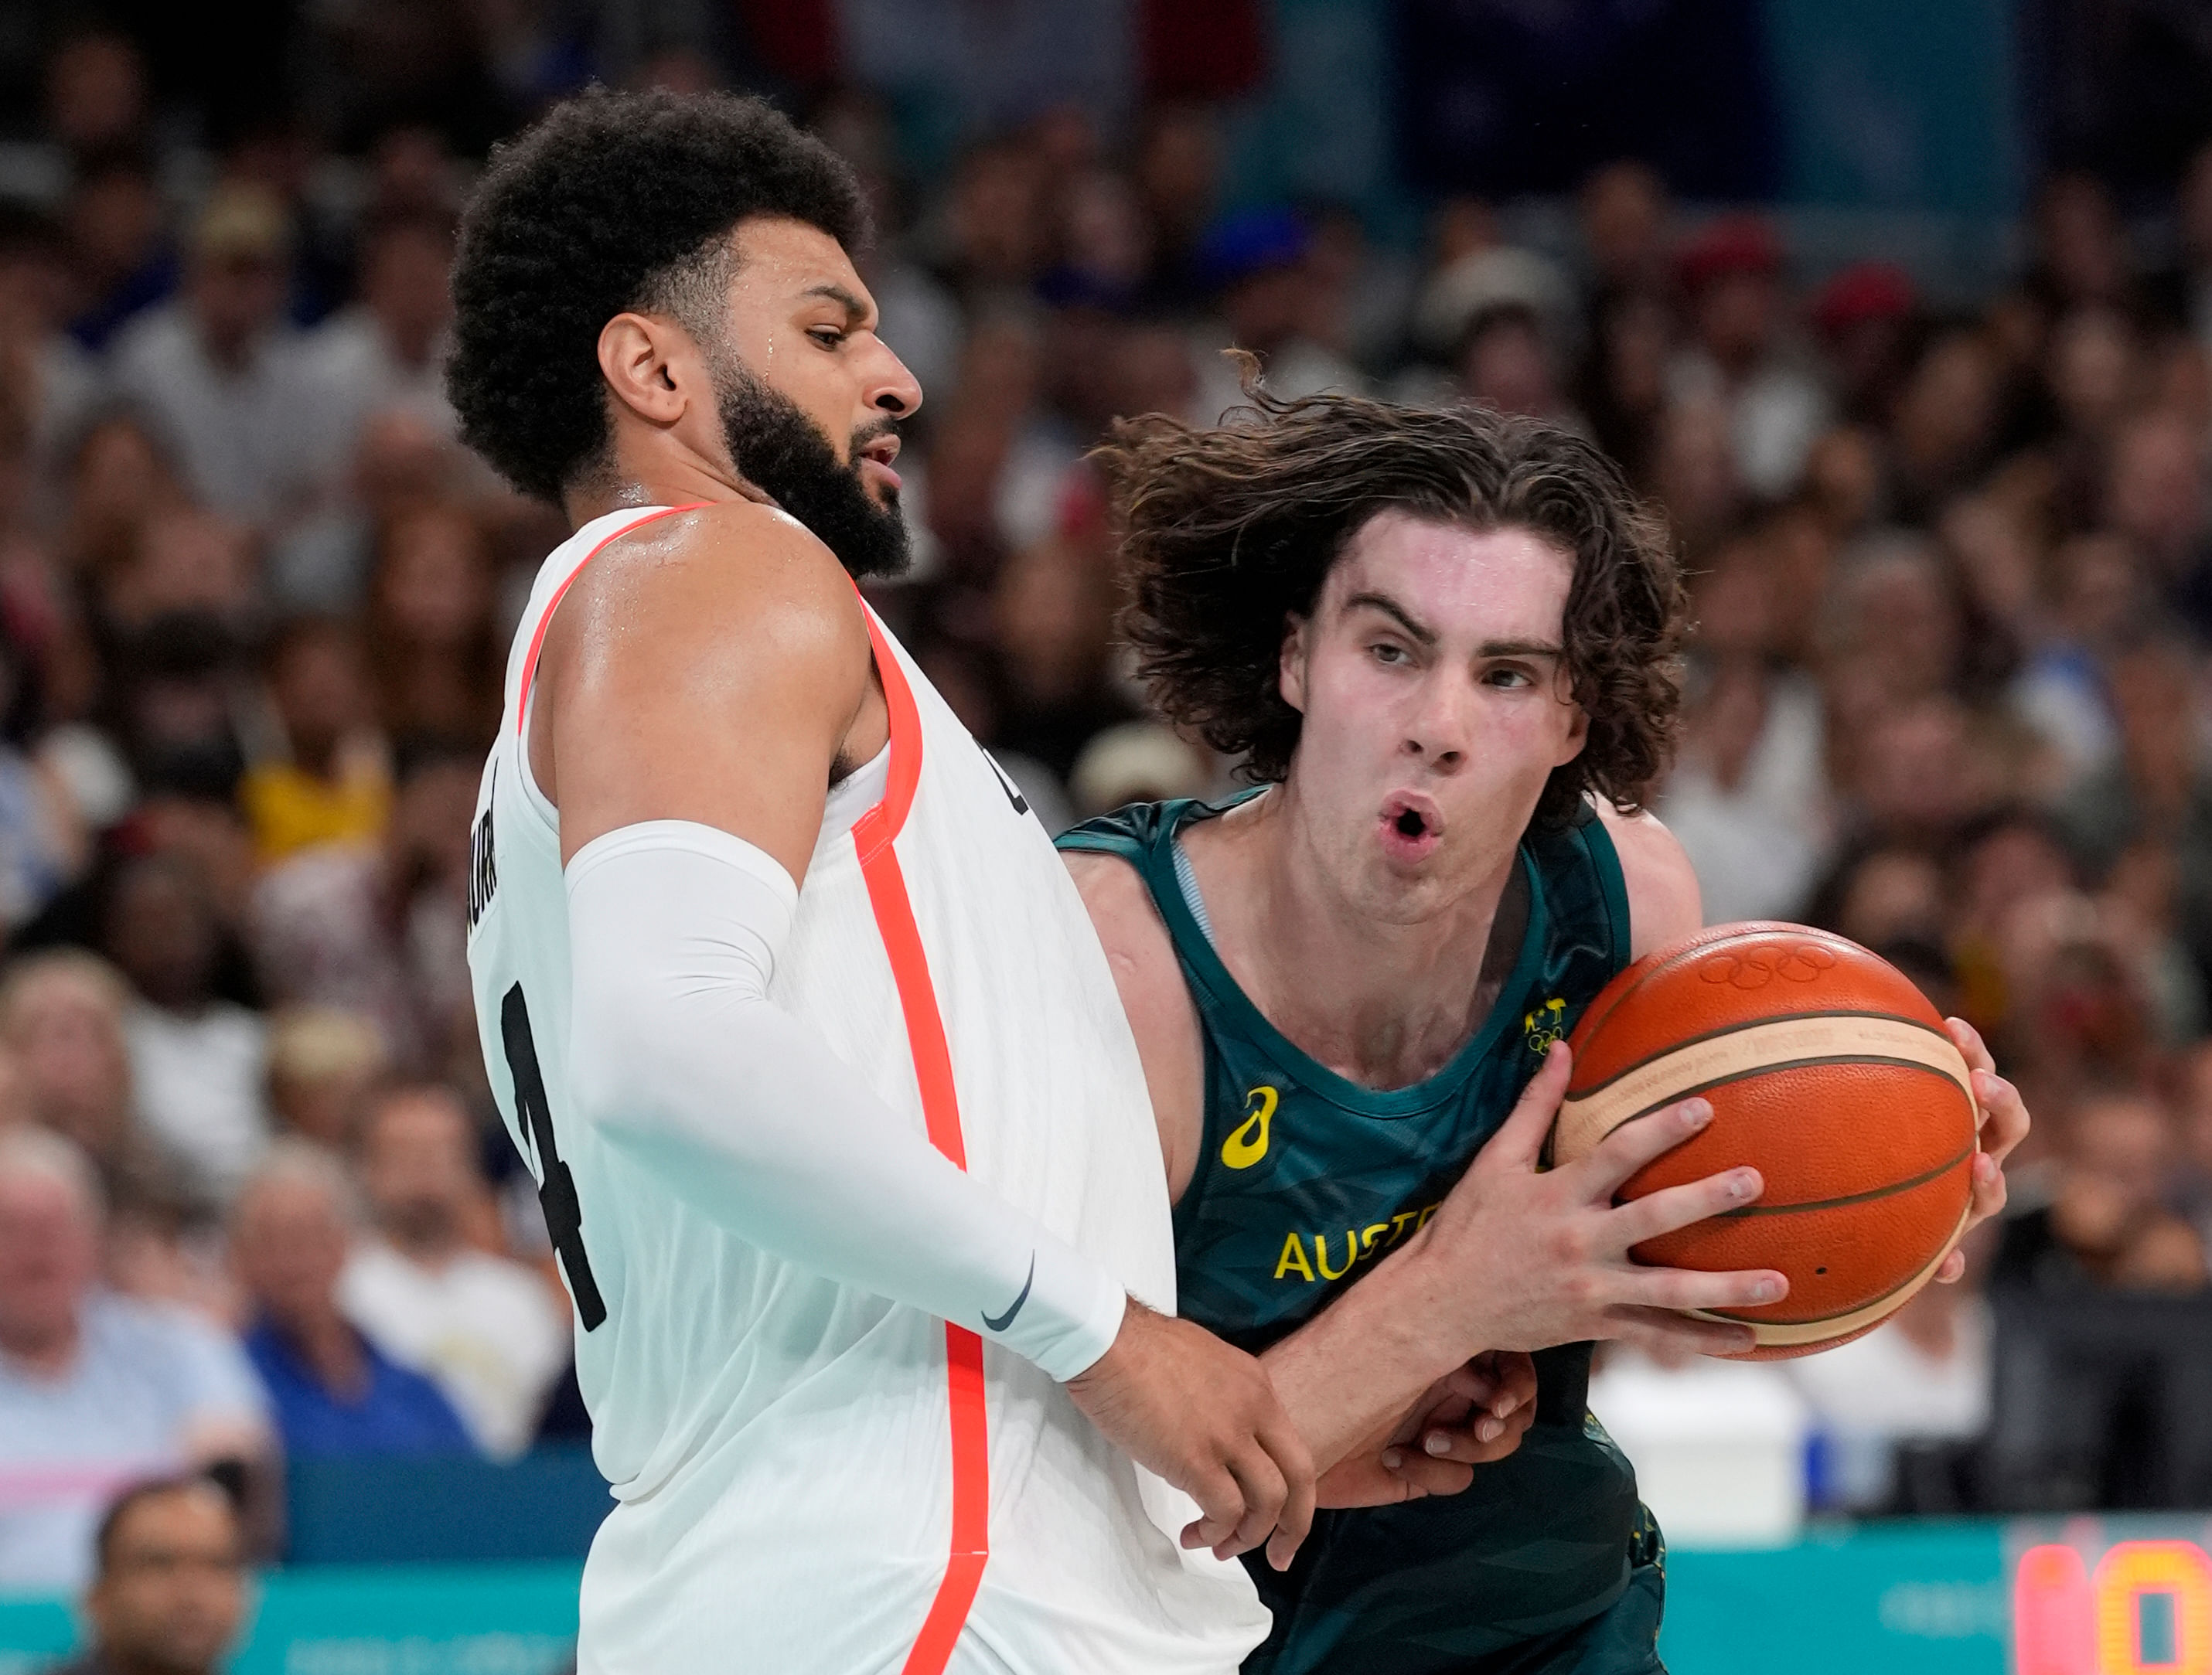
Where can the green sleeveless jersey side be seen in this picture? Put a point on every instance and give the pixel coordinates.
(1303, 1180)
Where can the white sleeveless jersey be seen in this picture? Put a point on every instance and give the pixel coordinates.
(810, 1477)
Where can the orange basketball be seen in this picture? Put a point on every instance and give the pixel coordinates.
(1829, 1074)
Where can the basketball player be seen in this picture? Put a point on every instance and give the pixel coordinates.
(842, 1137)
(1444, 640)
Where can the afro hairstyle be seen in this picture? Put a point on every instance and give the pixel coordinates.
(613, 201)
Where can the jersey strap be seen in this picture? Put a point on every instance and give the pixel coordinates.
(872, 835)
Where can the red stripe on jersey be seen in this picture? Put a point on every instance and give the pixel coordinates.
(872, 833)
(545, 621)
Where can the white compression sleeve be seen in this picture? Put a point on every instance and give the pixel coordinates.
(679, 1059)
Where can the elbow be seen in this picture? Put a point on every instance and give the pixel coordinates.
(617, 1069)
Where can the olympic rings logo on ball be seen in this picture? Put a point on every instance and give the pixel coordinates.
(1756, 966)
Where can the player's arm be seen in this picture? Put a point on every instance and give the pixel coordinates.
(1516, 1258)
(697, 690)
(1434, 1435)
(1370, 1327)
(1664, 902)
(700, 688)
(1664, 906)
(1156, 1001)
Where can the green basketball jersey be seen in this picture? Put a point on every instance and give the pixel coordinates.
(1303, 1180)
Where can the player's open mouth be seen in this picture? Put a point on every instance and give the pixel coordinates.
(1411, 826)
(876, 460)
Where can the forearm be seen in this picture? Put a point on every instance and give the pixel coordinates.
(683, 1065)
(1355, 1367)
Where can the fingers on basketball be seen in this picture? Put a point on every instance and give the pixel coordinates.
(1519, 1142)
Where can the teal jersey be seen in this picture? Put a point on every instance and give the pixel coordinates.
(1304, 1180)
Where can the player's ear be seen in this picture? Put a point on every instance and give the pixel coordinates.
(643, 361)
(1291, 666)
(1577, 735)
(1578, 718)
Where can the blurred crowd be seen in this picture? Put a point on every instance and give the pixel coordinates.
(1952, 580)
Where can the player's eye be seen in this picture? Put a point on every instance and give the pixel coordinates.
(828, 336)
(1509, 677)
(1383, 651)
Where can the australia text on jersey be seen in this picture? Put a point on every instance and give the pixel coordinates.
(1359, 1244)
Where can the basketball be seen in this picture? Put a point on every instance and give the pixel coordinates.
(1829, 1072)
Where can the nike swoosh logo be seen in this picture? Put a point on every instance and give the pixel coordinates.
(1000, 1323)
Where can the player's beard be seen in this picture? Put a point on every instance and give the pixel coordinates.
(783, 452)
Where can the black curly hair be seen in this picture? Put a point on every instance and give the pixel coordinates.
(1228, 534)
(612, 201)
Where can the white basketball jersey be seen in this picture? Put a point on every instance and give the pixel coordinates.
(810, 1477)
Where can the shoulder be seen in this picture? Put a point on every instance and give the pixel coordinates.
(1121, 909)
(729, 581)
(733, 555)
(1664, 902)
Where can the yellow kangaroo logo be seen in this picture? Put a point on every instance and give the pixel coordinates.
(1248, 1143)
(1541, 1027)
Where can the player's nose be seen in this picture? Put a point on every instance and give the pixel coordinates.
(891, 392)
(1438, 732)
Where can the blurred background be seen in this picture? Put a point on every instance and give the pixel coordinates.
(1901, 313)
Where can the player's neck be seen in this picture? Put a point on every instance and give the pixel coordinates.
(651, 471)
(1385, 1002)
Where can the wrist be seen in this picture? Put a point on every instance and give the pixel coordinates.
(1365, 1357)
(1441, 1325)
(1126, 1311)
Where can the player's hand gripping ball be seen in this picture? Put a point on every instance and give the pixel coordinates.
(1830, 1073)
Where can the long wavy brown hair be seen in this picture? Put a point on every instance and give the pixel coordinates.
(1227, 535)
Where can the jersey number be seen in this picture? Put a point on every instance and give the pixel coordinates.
(556, 1187)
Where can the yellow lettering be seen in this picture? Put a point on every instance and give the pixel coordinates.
(1350, 1254)
(1247, 1142)
(1398, 1224)
(1425, 1214)
(1367, 1237)
(1293, 1256)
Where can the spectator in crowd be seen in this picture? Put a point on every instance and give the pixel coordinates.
(1944, 424)
(333, 1391)
(1256, 260)
(177, 692)
(168, 1590)
(51, 381)
(198, 1062)
(185, 563)
(331, 782)
(2109, 1224)
(432, 641)
(1865, 316)
(1731, 274)
(222, 374)
(94, 1390)
(62, 1018)
(1502, 320)
(95, 89)
(386, 352)
(323, 1063)
(121, 258)
(484, 1327)
(400, 462)
(1747, 798)
(1624, 212)
(381, 931)
(117, 476)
